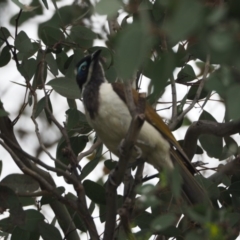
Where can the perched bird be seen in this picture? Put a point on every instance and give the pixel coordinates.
(107, 112)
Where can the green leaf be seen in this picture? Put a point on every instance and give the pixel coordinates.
(70, 64)
(95, 192)
(25, 55)
(233, 99)
(80, 32)
(88, 168)
(234, 189)
(133, 44)
(3, 113)
(45, 3)
(52, 64)
(48, 232)
(51, 198)
(233, 218)
(186, 74)
(82, 36)
(77, 144)
(20, 183)
(225, 198)
(40, 106)
(107, 7)
(61, 58)
(230, 149)
(186, 19)
(212, 145)
(9, 200)
(209, 186)
(110, 164)
(79, 223)
(91, 207)
(144, 220)
(199, 214)
(23, 43)
(28, 68)
(65, 87)
(6, 225)
(27, 201)
(162, 222)
(207, 116)
(20, 234)
(181, 56)
(159, 72)
(4, 34)
(32, 219)
(5, 56)
(25, 8)
(51, 35)
(193, 91)
(77, 122)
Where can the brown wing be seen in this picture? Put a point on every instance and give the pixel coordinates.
(154, 119)
(192, 191)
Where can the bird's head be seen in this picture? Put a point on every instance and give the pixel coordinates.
(89, 66)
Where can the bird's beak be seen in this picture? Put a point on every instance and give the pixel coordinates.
(96, 54)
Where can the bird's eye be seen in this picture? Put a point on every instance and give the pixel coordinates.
(83, 67)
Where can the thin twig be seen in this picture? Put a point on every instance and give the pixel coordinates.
(90, 150)
(81, 201)
(201, 85)
(10, 48)
(16, 20)
(38, 133)
(66, 175)
(34, 194)
(174, 98)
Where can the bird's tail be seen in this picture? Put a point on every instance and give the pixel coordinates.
(193, 193)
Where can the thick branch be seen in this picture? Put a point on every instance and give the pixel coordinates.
(207, 127)
(116, 177)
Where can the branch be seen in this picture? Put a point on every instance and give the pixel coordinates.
(174, 99)
(43, 177)
(66, 175)
(125, 220)
(38, 133)
(62, 129)
(173, 124)
(116, 177)
(81, 202)
(90, 150)
(228, 169)
(207, 127)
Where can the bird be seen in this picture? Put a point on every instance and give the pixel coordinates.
(107, 113)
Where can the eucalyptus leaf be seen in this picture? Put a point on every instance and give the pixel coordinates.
(65, 87)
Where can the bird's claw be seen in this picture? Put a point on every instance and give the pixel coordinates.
(138, 151)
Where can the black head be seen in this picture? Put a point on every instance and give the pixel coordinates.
(85, 67)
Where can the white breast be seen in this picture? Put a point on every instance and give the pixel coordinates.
(112, 123)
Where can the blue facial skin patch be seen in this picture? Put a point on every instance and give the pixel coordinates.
(82, 67)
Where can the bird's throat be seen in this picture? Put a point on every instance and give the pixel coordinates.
(90, 91)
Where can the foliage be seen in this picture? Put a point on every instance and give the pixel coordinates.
(153, 39)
